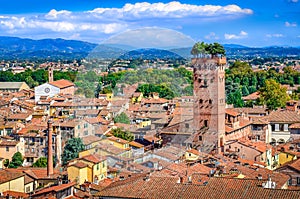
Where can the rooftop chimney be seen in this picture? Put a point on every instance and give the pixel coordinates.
(50, 151)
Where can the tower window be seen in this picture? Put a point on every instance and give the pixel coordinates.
(200, 138)
(201, 101)
(199, 80)
(210, 101)
(206, 123)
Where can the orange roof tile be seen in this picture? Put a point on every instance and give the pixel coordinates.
(54, 188)
(62, 83)
(252, 96)
(94, 158)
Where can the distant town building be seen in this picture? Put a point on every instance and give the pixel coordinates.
(13, 86)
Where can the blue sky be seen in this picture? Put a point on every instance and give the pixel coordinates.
(246, 22)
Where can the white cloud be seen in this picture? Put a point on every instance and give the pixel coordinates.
(53, 14)
(211, 36)
(288, 24)
(294, 1)
(169, 10)
(241, 35)
(274, 35)
(108, 21)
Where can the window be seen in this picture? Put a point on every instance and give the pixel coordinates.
(200, 138)
(7, 148)
(298, 180)
(276, 127)
(206, 123)
(85, 125)
(201, 101)
(86, 132)
(97, 166)
(281, 127)
(103, 164)
(273, 127)
(290, 182)
(205, 83)
(210, 101)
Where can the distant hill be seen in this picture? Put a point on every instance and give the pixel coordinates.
(14, 48)
(150, 53)
(18, 48)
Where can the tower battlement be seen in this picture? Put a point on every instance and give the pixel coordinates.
(209, 63)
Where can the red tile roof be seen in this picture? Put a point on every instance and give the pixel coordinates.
(62, 83)
(94, 158)
(16, 194)
(54, 188)
(170, 188)
(252, 96)
(283, 116)
(79, 165)
(6, 176)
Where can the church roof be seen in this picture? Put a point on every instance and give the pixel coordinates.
(62, 83)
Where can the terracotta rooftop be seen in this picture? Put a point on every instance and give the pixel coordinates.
(8, 143)
(62, 83)
(54, 188)
(283, 116)
(136, 144)
(79, 165)
(231, 112)
(295, 126)
(6, 176)
(119, 140)
(94, 158)
(90, 139)
(252, 96)
(296, 165)
(170, 188)
(15, 194)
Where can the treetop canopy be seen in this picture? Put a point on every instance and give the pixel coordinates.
(201, 49)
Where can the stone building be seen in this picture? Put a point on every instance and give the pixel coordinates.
(209, 103)
(53, 88)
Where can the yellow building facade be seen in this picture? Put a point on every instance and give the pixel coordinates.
(91, 168)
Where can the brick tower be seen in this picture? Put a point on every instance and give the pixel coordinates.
(209, 103)
(50, 74)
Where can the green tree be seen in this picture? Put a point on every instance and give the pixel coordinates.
(235, 98)
(125, 135)
(198, 49)
(122, 118)
(31, 83)
(41, 162)
(71, 149)
(17, 160)
(273, 94)
(215, 49)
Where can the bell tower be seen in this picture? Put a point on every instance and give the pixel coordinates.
(50, 74)
(209, 103)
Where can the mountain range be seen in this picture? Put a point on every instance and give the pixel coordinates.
(14, 48)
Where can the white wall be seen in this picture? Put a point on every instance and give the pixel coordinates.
(41, 91)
